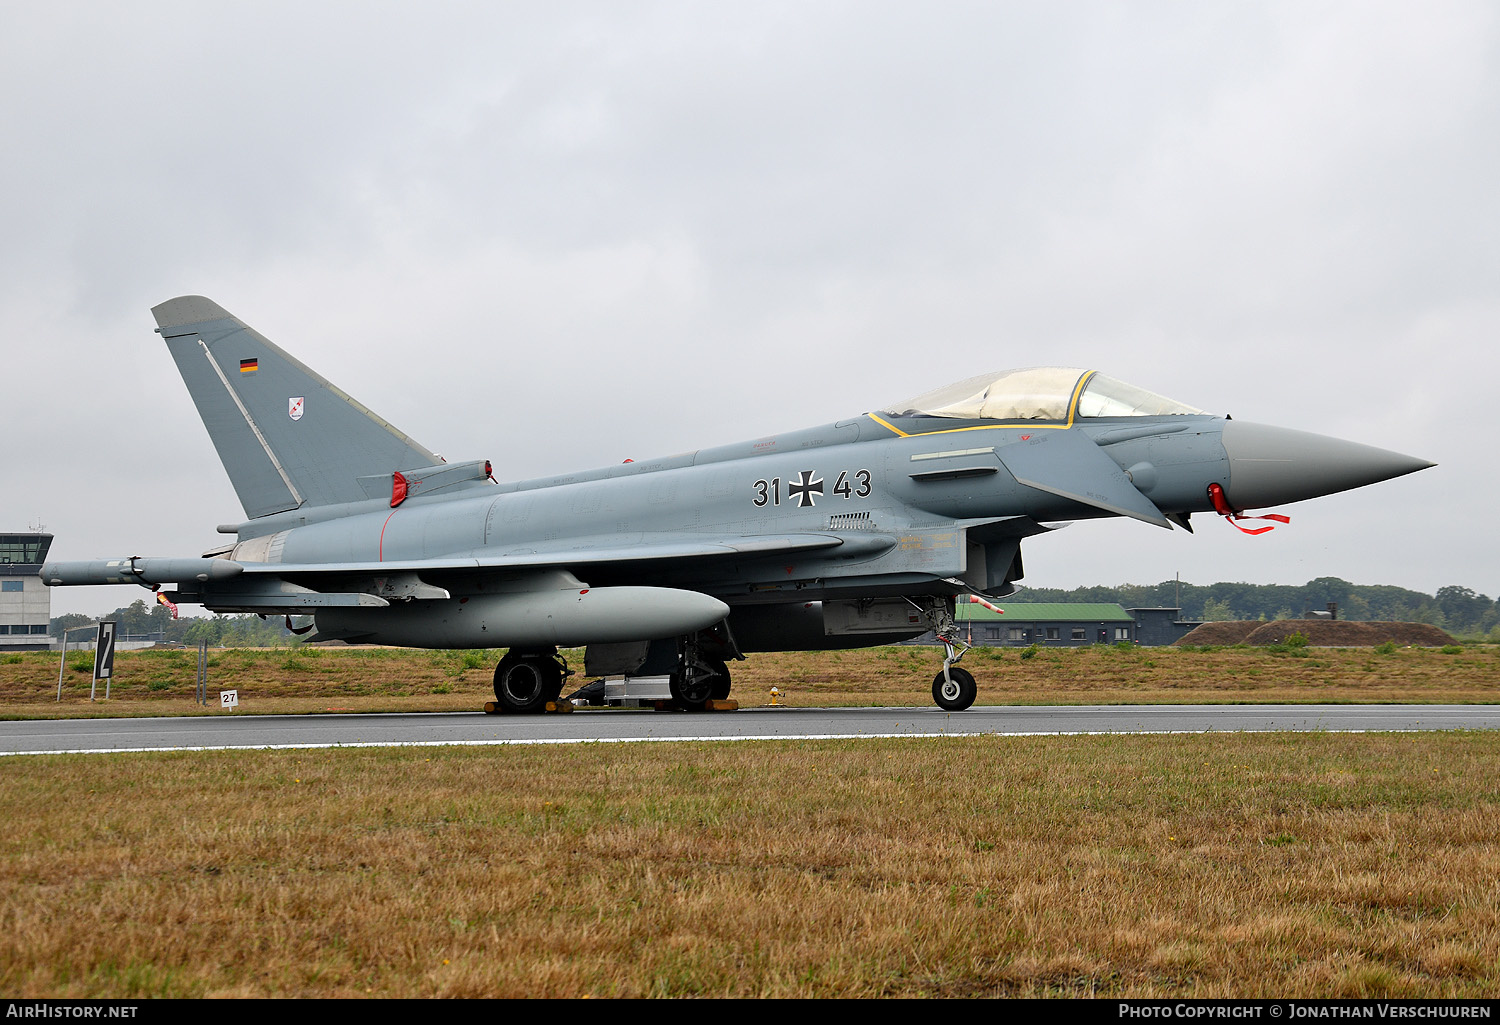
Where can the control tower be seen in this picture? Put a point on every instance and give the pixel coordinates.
(25, 602)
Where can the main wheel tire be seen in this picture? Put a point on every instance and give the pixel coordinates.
(525, 683)
(719, 688)
(691, 696)
(956, 691)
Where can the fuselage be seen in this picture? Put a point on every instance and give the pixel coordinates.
(898, 494)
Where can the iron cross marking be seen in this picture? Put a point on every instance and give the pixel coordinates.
(805, 489)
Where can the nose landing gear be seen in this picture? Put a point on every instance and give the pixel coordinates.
(953, 689)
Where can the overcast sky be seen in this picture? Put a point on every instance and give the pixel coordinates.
(557, 235)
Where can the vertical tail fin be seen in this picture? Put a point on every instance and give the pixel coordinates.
(286, 436)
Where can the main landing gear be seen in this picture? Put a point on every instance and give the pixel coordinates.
(700, 674)
(527, 678)
(953, 688)
(697, 680)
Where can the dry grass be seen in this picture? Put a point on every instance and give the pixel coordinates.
(1143, 866)
(902, 675)
(379, 679)
(1214, 865)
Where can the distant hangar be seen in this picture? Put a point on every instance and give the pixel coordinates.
(25, 602)
(1066, 625)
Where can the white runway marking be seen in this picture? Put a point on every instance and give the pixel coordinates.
(534, 741)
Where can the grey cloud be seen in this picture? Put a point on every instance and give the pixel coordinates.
(709, 222)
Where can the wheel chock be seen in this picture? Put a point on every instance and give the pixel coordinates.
(559, 706)
(491, 708)
(711, 705)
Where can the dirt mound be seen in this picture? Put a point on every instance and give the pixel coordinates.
(1327, 633)
(1229, 631)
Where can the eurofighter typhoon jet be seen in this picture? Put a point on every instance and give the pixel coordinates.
(864, 531)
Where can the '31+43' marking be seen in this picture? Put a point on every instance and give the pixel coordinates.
(808, 488)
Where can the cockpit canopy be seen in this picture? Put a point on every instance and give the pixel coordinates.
(1038, 393)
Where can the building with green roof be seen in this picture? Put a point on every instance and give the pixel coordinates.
(1057, 624)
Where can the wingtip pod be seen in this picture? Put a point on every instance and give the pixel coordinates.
(138, 571)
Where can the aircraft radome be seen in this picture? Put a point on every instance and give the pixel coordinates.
(864, 531)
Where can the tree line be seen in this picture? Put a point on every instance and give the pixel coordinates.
(1459, 610)
(141, 620)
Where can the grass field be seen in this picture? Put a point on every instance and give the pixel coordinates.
(389, 679)
(1212, 865)
(1308, 865)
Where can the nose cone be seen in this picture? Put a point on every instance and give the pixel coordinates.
(1274, 465)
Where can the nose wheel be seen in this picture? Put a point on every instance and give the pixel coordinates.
(954, 689)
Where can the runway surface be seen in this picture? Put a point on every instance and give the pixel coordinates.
(233, 730)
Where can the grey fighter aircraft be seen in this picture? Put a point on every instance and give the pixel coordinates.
(863, 531)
